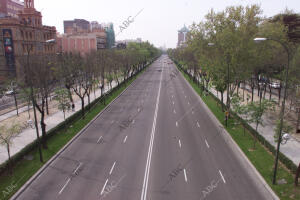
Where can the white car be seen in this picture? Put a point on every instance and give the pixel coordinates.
(275, 85)
(10, 92)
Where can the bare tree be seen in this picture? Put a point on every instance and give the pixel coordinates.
(40, 77)
(80, 80)
(7, 134)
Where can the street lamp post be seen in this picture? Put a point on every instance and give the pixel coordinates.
(257, 40)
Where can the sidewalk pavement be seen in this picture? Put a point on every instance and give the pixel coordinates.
(291, 149)
(29, 135)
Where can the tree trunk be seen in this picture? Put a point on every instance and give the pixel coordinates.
(222, 99)
(255, 139)
(237, 90)
(70, 95)
(43, 126)
(252, 93)
(28, 110)
(47, 107)
(297, 175)
(82, 107)
(16, 103)
(117, 79)
(270, 93)
(279, 95)
(89, 100)
(298, 123)
(244, 90)
(9, 159)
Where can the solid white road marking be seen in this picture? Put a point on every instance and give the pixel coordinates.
(104, 186)
(222, 176)
(188, 103)
(177, 124)
(206, 144)
(62, 189)
(125, 139)
(173, 102)
(174, 111)
(99, 139)
(198, 124)
(112, 168)
(179, 143)
(185, 177)
(148, 163)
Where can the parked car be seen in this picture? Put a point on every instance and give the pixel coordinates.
(9, 92)
(275, 85)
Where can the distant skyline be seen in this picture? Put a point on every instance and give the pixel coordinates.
(159, 20)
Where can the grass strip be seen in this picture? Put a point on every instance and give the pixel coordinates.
(261, 158)
(25, 169)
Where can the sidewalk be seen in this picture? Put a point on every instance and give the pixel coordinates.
(29, 135)
(291, 149)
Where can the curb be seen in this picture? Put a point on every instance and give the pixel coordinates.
(41, 170)
(234, 146)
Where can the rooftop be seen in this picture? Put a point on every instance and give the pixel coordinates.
(184, 29)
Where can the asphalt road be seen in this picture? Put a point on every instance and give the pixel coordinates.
(155, 142)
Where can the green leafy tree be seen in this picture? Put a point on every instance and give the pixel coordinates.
(64, 103)
(255, 111)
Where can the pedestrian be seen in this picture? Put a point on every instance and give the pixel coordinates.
(73, 107)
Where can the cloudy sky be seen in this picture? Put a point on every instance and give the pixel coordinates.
(158, 20)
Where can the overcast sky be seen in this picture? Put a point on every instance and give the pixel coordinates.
(159, 20)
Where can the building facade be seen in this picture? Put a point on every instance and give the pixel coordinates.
(110, 35)
(82, 43)
(10, 8)
(84, 36)
(182, 36)
(76, 26)
(25, 35)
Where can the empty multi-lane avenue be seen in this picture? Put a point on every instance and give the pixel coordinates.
(157, 141)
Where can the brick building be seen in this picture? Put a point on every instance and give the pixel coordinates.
(83, 43)
(10, 8)
(76, 26)
(83, 36)
(23, 35)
